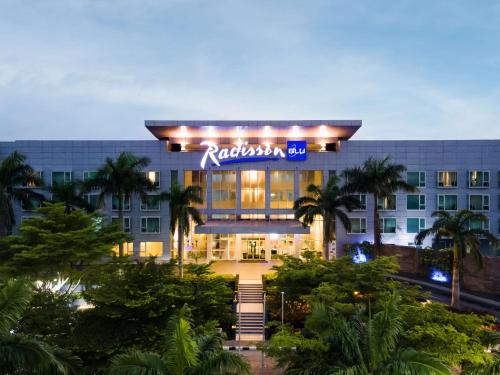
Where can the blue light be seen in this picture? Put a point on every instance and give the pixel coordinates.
(438, 275)
(359, 257)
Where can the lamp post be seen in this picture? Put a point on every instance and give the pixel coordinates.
(282, 309)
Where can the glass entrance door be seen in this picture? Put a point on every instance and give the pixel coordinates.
(252, 247)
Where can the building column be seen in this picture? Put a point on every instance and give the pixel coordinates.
(237, 247)
(267, 247)
(297, 244)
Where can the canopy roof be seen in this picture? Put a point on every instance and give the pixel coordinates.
(251, 227)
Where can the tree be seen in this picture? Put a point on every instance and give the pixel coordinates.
(122, 178)
(381, 179)
(184, 354)
(54, 242)
(181, 213)
(16, 181)
(326, 203)
(336, 344)
(72, 195)
(466, 239)
(21, 354)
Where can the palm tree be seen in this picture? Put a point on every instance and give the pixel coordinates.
(72, 195)
(381, 179)
(466, 239)
(328, 204)
(181, 212)
(21, 354)
(367, 347)
(16, 180)
(185, 354)
(122, 178)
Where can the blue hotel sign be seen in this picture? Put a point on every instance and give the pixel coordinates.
(244, 153)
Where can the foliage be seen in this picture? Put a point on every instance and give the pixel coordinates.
(182, 212)
(20, 353)
(364, 247)
(334, 344)
(16, 177)
(441, 259)
(71, 194)
(183, 353)
(327, 203)
(54, 242)
(491, 368)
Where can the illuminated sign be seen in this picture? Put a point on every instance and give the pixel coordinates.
(296, 150)
(243, 153)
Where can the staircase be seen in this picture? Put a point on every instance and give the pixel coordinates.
(250, 311)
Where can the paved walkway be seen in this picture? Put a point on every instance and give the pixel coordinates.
(247, 271)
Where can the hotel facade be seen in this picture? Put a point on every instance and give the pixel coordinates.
(250, 173)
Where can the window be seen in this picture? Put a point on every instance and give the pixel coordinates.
(150, 225)
(61, 178)
(362, 200)
(479, 224)
(415, 224)
(282, 186)
(154, 177)
(479, 179)
(416, 179)
(332, 173)
(447, 202)
(31, 205)
(88, 175)
(197, 178)
(223, 246)
(388, 225)
(479, 202)
(224, 189)
(307, 178)
(128, 249)
(115, 203)
(447, 179)
(253, 187)
(358, 225)
(415, 202)
(126, 223)
(151, 249)
(150, 203)
(387, 203)
(32, 184)
(93, 200)
(223, 216)
(174, 177)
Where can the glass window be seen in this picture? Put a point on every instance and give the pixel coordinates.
(478, 224)
(282, 186)
(252, 216)
(61, 178)
(362, 200)
(31, 205)
(224, 189)
(447, 202)
(89, 175)
(282, 244)
(126, 223)
(128, 249)
(479, 202)
(415, 224)
(223, 216)
(223, 246)
(387, 203)
(281, 216)
(174, 177)
(314, 240)
(332, 173)
(416, 179)
(253, 187)
(358, 225)
(197, 178)
(388, 225)
(479, 179)
(307, 178)
(447, 179)
(151, 249)
(150, 203)
(415, 202)
(154, 177)
(150, 225)
(93, 200)
(115, 201)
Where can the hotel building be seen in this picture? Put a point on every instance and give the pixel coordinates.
(250, 173)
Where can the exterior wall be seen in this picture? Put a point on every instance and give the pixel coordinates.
(428, 156)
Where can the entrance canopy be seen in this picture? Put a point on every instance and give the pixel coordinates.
(251, 227)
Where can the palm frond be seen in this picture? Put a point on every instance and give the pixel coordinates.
(411, 362)
(15, 297)
(138, 363)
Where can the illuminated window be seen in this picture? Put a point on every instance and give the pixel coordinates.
(154, 177)
(126, 223)
(307, 178)
(479, 179)
(281, 216)
(282, 186)
(61, 178)
(358, 225)
(253, 187)
(447, 179)
(387, 203)
(224, 189)
(197, 178)
(447, 202)
(388, 225)
(150, 225)
(252, 216)
(415, 202)
(125, 203)
(151, 249)
(150, 203)
(313, 240)
(282, 244)
(416, 179)
(479, 202)
(415, 224)
(223, 246)
(128, 249)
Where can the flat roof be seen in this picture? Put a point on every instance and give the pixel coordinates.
(262, 226)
